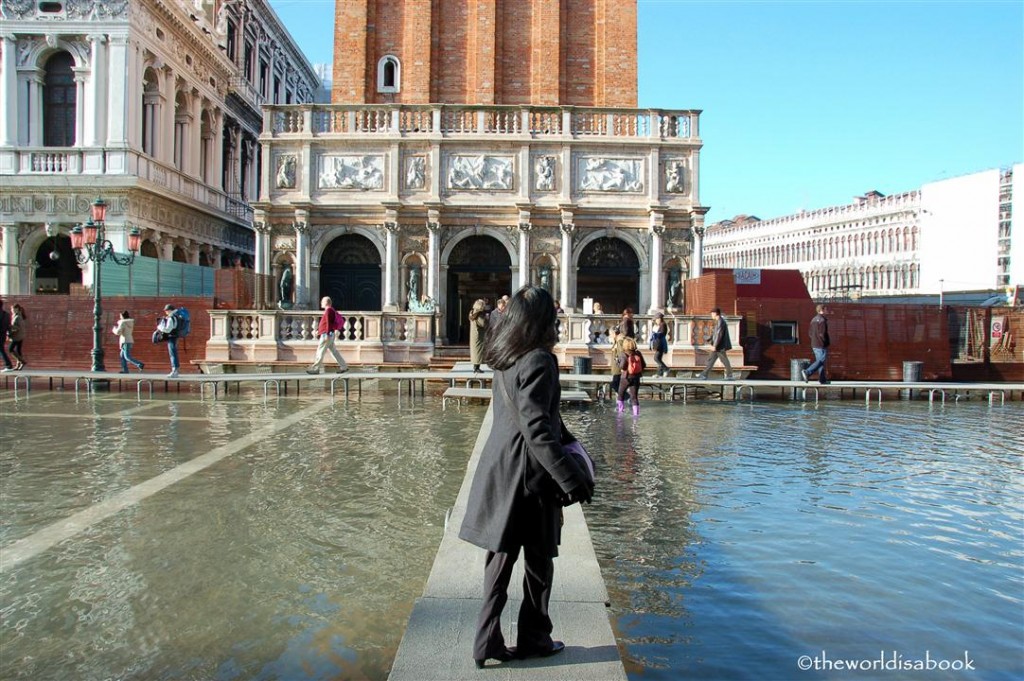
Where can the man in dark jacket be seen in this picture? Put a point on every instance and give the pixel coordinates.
(721, 343)
(819, 345)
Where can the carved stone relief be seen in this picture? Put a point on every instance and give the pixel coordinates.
(73, 9)
(352, 172)
(285, 177)
(416, 172)
(480, 172)
(544, 173)
(601, 174)
(284, 242)
(675, 172)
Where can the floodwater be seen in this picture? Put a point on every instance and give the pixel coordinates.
(288, 539)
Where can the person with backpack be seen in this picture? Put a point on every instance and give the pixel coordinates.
(168, 328)
(330, 323)
(631, 366)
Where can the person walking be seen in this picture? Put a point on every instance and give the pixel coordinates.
(16, 332)
(659, 343)
(124, 330)
(325, 330)
(819, 345)
(721, 345)
(477, 333)
(5, 325)
(168, 326)
(631, 368)
(615, 357)
(522, 480)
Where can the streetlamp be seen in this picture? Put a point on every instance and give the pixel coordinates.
(91, 245)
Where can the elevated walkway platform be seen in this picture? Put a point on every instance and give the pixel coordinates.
(438, 642)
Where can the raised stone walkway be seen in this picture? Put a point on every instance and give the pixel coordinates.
(437, 645)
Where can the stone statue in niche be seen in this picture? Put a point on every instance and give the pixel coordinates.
(286, 172)
(416, 173)
(544, 173)
(545, 277)
(675, 288)
(286, 287)
(480, 172)
(612, 175)
(414, 285)
(674, 177)
(352, 172)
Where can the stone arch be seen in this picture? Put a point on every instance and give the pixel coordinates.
(609, 270)
(476, 263)
(351, 269)
(413, 278)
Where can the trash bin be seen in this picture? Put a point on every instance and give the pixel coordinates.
(911, 374)
(581, 365)
(796, 368)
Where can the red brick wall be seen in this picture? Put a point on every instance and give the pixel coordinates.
(60, 331)
(547, 52)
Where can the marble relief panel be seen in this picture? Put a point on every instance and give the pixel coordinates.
(605, 174)
(362, 172)
(480, 172)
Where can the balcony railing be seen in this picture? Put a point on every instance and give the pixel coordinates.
(488, 121)
(283, 335)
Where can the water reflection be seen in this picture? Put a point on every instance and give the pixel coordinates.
(735, 539)
(298, 557)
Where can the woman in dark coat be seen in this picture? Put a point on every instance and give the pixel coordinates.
(477, 327)
(507, 509)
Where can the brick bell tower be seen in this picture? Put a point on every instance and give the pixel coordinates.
(486, 52)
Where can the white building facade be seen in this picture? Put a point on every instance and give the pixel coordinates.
(955, 234)
(153, 105)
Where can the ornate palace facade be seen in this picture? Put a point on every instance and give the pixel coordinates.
(154, 105)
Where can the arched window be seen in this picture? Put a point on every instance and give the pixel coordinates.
(389, 74)
(181, 121)
(59, 101)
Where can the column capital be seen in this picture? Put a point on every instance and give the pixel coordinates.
(567, 228)
(301, 227)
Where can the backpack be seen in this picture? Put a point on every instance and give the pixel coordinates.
(184, 322)
(634, 364)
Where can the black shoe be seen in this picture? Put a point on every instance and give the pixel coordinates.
(504, 656)
(556, 647)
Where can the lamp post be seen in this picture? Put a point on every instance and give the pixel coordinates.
(91, 245)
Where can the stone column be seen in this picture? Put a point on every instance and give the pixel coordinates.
(122, 111)
(95, 100)
(166, 245)
(302, 261)
(433, 256)
(567, 270)
(262, 230)
(524, 251)
(33, 109)
(696, 266)
(81, 76)
(8, 92)
(657, 229)
(391, 231)
(9, 260)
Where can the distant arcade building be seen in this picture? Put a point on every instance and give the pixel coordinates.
(471, 148)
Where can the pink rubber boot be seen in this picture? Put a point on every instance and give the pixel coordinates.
(636, 409)
(619, 406)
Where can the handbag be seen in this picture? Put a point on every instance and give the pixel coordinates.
(159, 336)
(536, 480)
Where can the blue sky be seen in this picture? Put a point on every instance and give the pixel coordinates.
(807, 104)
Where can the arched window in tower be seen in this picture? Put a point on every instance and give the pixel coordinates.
(389, 74)
(59, 101)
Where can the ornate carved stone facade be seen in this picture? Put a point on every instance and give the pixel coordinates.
(154, 105)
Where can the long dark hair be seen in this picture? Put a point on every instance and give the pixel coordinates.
(528, 324)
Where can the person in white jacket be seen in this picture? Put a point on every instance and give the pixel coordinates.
(123, 330)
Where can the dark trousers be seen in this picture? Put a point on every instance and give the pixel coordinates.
(534, 624)
(3, 353)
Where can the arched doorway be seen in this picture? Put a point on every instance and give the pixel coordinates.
(609, 272)
(350, 273)
(55, 275)
(478, 267)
